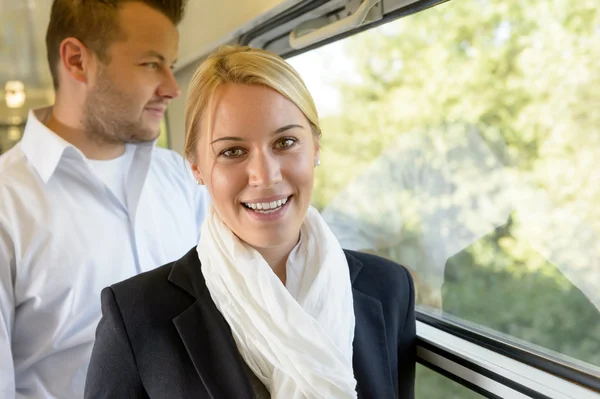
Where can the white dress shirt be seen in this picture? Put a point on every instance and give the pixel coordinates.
(64, 236)
(113, 173)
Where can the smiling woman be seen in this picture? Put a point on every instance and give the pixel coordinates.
(262, 150)
(268, 304)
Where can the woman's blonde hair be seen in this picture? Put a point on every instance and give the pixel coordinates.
(247, 66)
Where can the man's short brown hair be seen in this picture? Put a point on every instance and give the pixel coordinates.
(95, 24)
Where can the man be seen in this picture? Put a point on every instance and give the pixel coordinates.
(86, 199)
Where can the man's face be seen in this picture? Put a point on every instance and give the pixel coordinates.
(128, 95)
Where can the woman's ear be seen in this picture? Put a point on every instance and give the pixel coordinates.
(317, 152)
(197, 174)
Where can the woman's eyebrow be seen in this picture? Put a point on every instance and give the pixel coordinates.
(278, 131)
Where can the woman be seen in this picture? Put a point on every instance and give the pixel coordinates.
(268, 304)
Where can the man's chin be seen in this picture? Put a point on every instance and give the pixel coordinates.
(144, 136)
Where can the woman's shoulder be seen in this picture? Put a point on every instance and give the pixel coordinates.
(378, 276)
(151, 290)
(151, 280)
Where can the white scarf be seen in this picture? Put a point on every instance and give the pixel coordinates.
(299, 348)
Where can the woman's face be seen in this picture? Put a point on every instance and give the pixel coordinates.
(257, 163)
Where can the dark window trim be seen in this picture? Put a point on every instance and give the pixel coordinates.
(481, 370)
(396, 14)
(523, 355)
(307, 6)
(289, 15)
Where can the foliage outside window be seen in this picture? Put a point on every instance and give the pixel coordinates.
(463, 142)
(163, 138)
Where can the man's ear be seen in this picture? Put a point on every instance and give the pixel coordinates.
(76, 59)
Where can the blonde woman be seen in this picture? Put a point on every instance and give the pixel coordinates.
(268, 305)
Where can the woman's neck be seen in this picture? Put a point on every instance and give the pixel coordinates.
(277, 261)
(277, 257)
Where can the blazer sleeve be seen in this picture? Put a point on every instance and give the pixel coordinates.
(407, 347)
(113, 371)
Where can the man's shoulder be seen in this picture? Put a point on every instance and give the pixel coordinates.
(153, 292)
(154, 280)
(12, 162)
(18, 178)
(168, 164)
(165, 156)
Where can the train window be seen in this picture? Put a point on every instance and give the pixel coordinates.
(163, 137)
(463, 142)
(430, 384)
(9, 136)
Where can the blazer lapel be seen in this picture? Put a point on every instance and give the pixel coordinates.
(371, 362)
(207, 337)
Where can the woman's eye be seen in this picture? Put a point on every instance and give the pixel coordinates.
(285, 143)
(233, 152)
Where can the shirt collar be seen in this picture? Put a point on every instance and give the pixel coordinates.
(42, 147)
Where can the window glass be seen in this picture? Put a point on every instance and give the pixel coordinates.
(430, 384)
(9, 136)
(464, 143)
(163, 138)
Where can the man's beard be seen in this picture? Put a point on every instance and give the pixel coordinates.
(107, 116)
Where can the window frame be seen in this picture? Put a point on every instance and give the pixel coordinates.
(433, 332)
(489, 372)
(392, 10)
(523, 354)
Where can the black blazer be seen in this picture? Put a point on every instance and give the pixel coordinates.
(161, 336)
